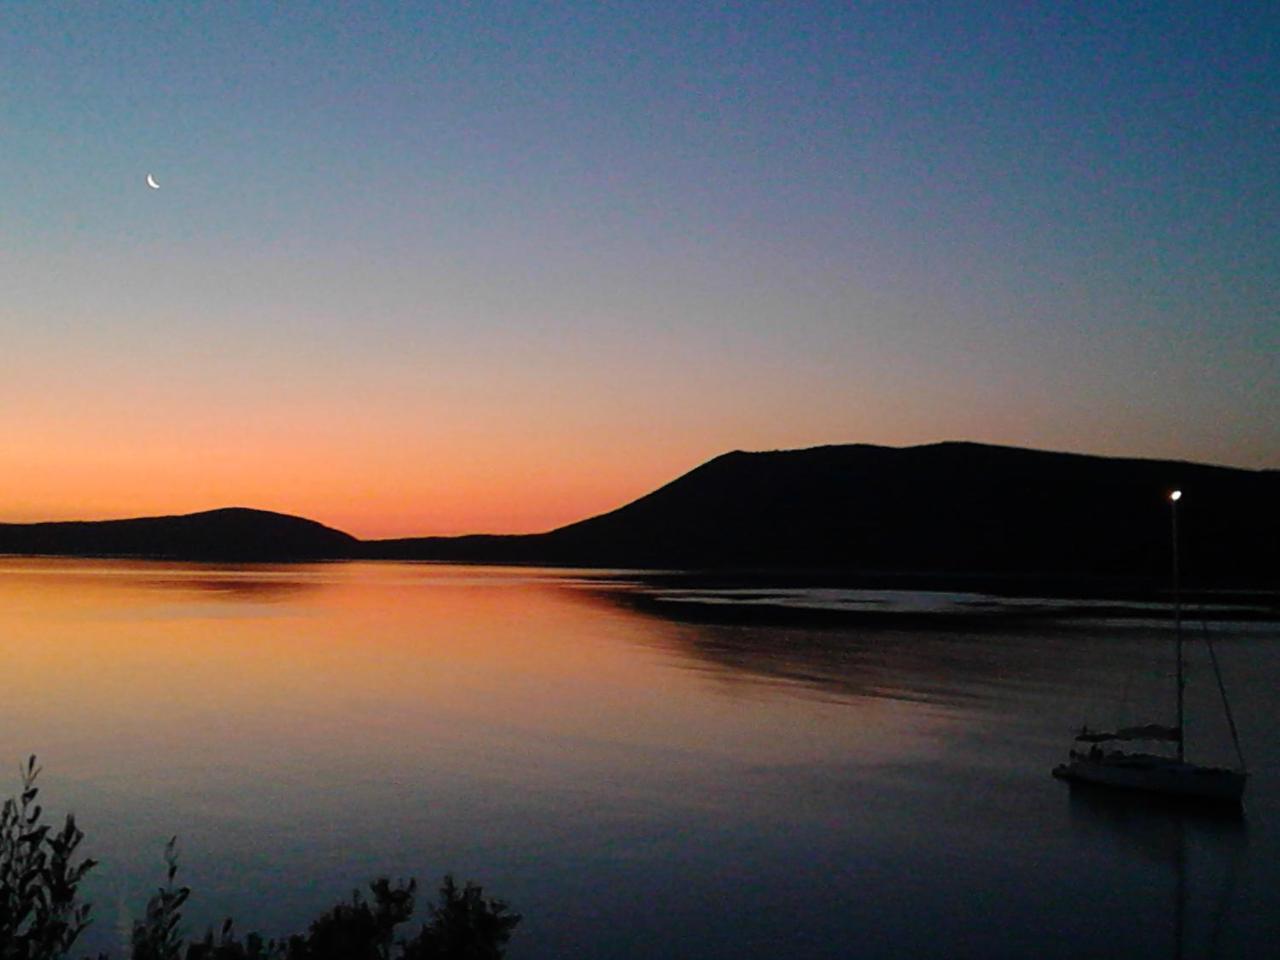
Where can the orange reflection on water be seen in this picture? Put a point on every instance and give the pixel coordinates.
(167, 676)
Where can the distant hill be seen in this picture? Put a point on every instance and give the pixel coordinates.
(947, 508)
(944, 510)
(232, 534)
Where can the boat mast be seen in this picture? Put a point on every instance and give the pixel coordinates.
(1174, 497)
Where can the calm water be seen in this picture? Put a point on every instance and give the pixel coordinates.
(636, 787)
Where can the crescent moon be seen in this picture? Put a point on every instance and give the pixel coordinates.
(151, 182)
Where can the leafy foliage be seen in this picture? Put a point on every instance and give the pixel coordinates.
(156, 936)
(41, 916)
(463, 926)
(359, 930)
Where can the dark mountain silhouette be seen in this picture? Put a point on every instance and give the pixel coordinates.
(233, 533)
(948, 510)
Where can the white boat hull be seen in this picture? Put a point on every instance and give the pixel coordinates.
(1156, 775)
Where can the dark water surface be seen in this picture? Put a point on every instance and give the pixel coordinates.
(634, 785)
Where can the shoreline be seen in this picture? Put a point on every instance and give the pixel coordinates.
(775, 597)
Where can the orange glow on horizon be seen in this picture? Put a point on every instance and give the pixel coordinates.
(382, 490)
(448, 463)
(473, 504)
(420, 447)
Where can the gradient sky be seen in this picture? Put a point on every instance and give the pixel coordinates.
(438, 268)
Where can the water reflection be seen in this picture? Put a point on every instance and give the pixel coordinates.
(306, 727)
(941, 662)
(1200, 850)
(235, 583)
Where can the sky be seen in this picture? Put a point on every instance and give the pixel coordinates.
(439, 268)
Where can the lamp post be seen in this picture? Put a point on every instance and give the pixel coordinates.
(1174, 497)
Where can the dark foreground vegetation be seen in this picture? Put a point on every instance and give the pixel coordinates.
(42, 916)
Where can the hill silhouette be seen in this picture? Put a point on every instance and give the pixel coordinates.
(946, 510)
(231, 534)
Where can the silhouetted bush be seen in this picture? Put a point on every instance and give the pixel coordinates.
(156, 936)
(41, 916)
(463, 925)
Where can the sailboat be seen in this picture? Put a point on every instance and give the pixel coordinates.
(1096, 759)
